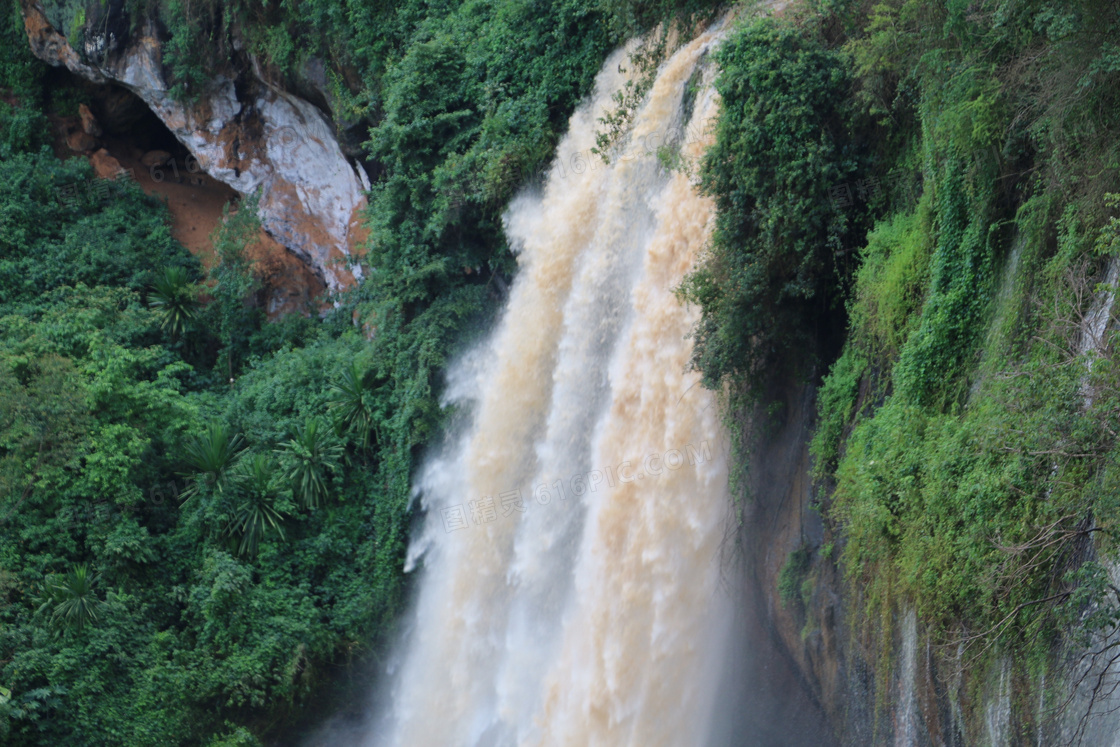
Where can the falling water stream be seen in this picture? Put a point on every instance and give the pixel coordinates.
(571, 587)
(906, 707)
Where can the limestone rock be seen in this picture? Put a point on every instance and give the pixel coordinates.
(80, 142)
(155, 158)
(89, 122)
(105, 165)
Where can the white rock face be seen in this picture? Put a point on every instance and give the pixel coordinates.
(275, 142)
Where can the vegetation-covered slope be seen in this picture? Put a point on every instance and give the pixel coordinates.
(966, 451)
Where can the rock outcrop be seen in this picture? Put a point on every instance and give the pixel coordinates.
(80, 142)
(243, 130)
(89, 122)
(105, 166)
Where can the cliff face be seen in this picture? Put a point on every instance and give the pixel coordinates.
(244, 131)
(811, 623)
(899, 688)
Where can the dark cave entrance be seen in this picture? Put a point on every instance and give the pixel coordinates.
(121, 122)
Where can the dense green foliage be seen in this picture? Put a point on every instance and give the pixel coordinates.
(125, 617)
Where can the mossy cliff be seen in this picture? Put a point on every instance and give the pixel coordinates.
(932, 509)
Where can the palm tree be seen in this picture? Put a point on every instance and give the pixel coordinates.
(310, 455)
(209, 457)
(175, 299)
(257, 512)
(70, 600)
(351, 402)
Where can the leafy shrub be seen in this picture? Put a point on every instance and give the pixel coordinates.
(70, 600)
(836, 403)
(60, 226)
(891, 283)
(175, 300)
(21, 128)
(259, 509)
(311, 457)
(782, 144)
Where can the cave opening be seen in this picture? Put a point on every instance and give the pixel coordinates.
(118, 132)
(91, 117)
(142, 134)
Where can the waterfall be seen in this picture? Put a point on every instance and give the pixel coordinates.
(906, 712)
(997, 710)
(1094, 717)
(570, 590)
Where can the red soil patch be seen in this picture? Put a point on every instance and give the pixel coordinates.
(195, 201)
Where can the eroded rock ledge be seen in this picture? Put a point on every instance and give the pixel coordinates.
(243, 130)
